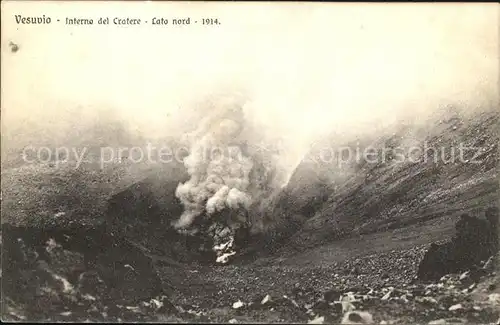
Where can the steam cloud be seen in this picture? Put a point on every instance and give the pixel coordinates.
(219, 168)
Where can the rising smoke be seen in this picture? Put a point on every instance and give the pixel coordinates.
(219, 170)
(226, 175)
(227, 168)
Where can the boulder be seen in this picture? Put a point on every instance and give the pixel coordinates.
(475, 241)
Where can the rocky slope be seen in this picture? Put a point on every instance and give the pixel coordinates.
(362, 197)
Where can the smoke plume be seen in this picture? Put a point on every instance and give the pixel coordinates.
(218, 166)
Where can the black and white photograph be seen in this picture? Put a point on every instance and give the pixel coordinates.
(250, 162)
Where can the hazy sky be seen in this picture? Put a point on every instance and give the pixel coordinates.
(308, 67)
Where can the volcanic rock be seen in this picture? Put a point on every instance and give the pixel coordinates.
(48, 269)
(476, 240)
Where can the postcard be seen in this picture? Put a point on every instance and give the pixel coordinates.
(250, 162)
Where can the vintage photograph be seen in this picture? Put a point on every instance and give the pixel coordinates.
(250, 162)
